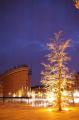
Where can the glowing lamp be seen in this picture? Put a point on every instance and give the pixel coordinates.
(14, 95)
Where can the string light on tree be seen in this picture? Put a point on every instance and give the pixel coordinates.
(56, 76)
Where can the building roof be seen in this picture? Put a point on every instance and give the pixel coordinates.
(14, 68)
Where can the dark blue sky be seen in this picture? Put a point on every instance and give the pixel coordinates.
(26, 27)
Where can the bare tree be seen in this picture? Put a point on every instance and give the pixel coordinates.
(56, 76)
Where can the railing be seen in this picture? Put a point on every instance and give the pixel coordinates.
(15, 99)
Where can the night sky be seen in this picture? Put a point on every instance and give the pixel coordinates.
(26, 26)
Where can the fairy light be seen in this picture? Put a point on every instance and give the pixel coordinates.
(56, 75)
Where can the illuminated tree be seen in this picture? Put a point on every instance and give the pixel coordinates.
(56, 76)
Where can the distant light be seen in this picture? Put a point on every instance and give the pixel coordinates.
(76, 93)
(45, 104)
(9, 93)
(66, 109)
(20, 93)
(14, 95)
(33, 94)
(49, 110)
(50, 97)
(33, 105)
(28, 94)
(76, 100)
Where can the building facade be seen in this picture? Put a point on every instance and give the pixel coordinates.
(16, 82)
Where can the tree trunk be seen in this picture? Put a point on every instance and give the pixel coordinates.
(59, 90)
